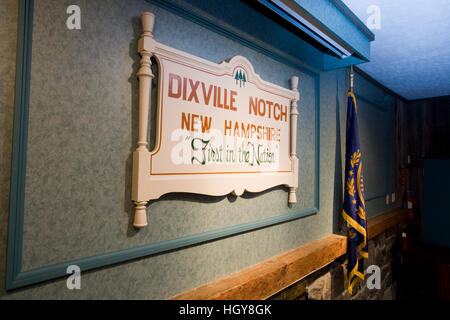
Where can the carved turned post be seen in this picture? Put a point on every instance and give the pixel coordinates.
(146, 46)
(294, 114)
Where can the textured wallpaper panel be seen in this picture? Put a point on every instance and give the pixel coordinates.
(372, 121)
(83, 129)
(8, 43)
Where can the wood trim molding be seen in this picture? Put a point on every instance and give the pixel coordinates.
(385, 221)
(268, 277)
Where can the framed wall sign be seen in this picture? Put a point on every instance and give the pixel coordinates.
(220, 128)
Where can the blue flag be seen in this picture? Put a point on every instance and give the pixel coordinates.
(354, 210)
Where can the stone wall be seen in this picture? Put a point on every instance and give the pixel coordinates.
(330, 282)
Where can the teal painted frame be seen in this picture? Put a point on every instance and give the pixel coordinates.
(15, 278)
(387, 111)
(19, 148)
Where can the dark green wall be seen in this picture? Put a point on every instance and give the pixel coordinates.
(428, 123)
(83, 118)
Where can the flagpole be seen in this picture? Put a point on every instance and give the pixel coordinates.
(351, 78)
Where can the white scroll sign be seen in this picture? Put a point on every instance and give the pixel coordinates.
(220, 127)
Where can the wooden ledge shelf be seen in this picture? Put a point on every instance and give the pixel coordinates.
(268, 277)
(385, 221)
(264, 279)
